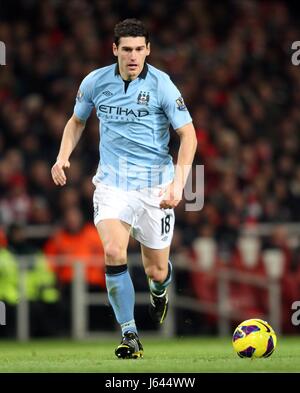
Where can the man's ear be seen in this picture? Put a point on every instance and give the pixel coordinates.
(115, 49)
(148, 49)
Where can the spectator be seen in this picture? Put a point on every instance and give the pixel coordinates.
(76, 241)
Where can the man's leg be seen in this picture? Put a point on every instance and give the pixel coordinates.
(115, 236)
(158, 269)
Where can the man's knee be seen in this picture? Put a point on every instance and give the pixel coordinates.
(115, 253)
(156, 273)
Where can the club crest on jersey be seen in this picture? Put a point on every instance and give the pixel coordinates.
(143, 98)
(180, 104)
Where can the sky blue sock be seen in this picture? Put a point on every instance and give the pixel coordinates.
(121, 296)
(158, 288)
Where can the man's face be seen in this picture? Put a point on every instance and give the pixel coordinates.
(131, 53)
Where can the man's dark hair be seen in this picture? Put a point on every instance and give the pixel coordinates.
(130, 28)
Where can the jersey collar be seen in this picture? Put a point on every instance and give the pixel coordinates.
(142, 74)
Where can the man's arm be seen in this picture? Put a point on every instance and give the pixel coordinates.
(186, 153)
(72, 133)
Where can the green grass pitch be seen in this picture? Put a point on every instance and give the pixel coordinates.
(177, 355)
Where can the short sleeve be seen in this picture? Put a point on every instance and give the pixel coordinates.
(173, 104)
(84, 103)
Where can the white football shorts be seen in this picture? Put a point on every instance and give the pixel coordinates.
(150, 225)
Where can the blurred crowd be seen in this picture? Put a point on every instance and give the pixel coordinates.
(232, 63)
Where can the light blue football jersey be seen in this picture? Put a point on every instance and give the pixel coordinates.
(134, 125)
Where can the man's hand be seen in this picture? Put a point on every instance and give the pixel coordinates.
(172, 196)
(58, 173)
